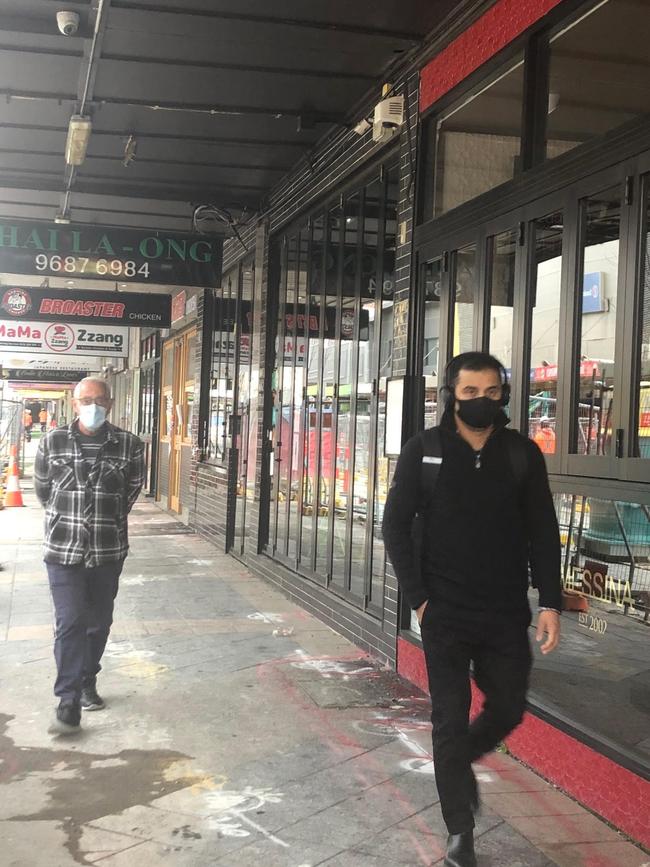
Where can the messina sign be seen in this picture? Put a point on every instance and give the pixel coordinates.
(101, 308)
(101, 252)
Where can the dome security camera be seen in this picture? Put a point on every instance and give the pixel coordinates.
(67, 22)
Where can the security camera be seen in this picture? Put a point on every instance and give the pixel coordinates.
(388, 117)
(68, 22)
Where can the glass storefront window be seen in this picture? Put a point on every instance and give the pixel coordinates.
(381, 338)
(168, 369)
(298, 360)
(188, 412)
(231, 358)
(641, 445)
(286, 490)
(599, 676)
(330, 341)
(591, 74)
(545, 331)
(313, 417)
(431, 362)
(478, 141)
(344, 466)
(167, 399)
(598, 286)
(245, 427)
(147, 400)
(333, 350)
(223, 369)
(188, 389)
(366, 369)
(598, 74)
(465, 291)
(502, 296)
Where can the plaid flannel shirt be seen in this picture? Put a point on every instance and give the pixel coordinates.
(86, 508)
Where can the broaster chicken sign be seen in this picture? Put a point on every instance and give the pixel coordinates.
(102, 308)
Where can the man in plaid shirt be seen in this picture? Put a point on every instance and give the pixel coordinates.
(87, 476)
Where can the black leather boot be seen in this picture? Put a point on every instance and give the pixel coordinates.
(460, 850)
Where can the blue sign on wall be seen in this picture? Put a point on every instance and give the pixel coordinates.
(592, 293)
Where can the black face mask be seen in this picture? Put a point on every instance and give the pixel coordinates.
(479, 412)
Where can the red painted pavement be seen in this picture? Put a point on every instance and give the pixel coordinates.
(616, 794)
(499, 26)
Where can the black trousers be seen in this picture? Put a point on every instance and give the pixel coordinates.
(83, 603)
(501, 657)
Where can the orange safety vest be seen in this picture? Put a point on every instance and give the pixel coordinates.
(545, 439)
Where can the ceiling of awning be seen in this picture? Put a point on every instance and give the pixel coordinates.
(220, 97)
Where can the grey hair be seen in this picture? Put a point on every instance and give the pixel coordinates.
(99, 379)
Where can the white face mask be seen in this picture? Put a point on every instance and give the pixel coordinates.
(92, 417)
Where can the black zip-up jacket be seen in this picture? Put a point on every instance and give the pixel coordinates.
(480, 529)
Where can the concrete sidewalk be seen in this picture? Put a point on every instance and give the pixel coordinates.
(226, 742)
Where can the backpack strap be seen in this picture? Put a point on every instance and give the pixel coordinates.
(431, 461)
(518, 456)
(431, 444)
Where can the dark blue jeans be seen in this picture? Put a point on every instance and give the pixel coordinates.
(83, 603)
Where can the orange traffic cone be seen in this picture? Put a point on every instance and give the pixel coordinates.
(13, 495)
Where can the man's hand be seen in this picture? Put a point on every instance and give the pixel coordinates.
(548, 622)
(419, 612)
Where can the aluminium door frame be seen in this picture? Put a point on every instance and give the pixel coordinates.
(632, 468)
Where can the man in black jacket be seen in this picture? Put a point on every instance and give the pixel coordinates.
(486, 514)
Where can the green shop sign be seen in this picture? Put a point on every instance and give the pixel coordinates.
(105, 253)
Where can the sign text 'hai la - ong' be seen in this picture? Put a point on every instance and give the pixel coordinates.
(28, 247)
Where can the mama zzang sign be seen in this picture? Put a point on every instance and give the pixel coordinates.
(107, 253)
(133, 309)
(61, 338)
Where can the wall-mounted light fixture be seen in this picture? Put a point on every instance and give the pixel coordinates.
(76, 145)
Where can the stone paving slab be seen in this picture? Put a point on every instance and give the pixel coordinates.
(614, 854)
(42, 845)
(224, 744)
(294, 853)
(497, 844)
(578, 827)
